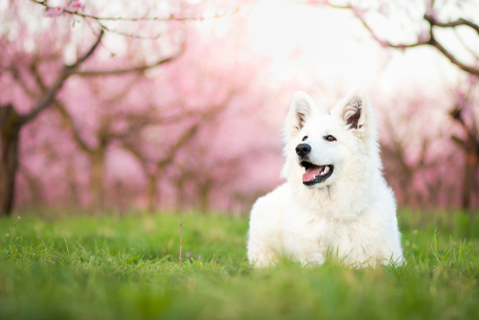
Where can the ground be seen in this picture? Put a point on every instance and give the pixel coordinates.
(126, 267)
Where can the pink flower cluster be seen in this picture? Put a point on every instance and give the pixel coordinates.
(76, 5)
(53, 12)
(56, 11)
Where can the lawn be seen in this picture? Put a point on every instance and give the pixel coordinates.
(127, 268)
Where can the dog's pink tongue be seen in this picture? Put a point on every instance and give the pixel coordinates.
(310, 173)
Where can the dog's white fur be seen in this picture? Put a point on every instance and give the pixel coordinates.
(352, 214)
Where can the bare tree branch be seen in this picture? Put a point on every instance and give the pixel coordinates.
(88, 54)
(16, 75)
(47, 98)
(184, 138)
(128, 70)
(452, 24)
(139, 122)
(448, 55)
(433, 22)
(456, 114)
(130, 35)
(63, 111)
(459, 142)
(76, 133)
(190, 133)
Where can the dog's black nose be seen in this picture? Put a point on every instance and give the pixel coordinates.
(303, 149)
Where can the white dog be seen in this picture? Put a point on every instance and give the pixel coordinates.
(335, 198)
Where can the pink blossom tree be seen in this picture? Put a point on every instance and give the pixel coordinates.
(464, 113)
(32, 75)
(117, 116)
(219, 93)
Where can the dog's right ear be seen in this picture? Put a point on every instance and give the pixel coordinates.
(302, 108)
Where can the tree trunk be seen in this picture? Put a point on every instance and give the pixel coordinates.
(469, 191)
(9, 132)
(74, 194)
(204, 197)
(151, 192)
(97, 191)
(181, 204)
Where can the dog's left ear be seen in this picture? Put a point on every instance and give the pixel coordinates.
(354, 110)
(301, 110)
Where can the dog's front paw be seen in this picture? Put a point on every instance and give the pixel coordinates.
(261, 255)
(312, 259)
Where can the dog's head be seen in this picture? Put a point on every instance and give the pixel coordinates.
(322, 146)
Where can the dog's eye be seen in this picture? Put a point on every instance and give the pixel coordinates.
(330, 138)
(305, 137)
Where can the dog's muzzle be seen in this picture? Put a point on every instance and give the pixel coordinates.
(314, 173)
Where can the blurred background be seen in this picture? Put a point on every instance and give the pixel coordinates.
(179, 105)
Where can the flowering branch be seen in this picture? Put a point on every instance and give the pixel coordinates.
(59, 10)
(74, 7)
(424, 39)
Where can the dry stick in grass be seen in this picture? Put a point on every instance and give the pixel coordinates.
(181, 240)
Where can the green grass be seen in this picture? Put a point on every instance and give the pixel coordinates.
(127, 268)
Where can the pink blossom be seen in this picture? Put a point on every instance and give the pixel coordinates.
(423, 36)
(359, 12)
(77, 5)
(431, 11)
(383, 9)
(53, 12)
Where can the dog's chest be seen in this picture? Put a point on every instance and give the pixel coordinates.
(307, 234)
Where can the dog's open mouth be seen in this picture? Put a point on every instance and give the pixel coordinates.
(315, 174)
